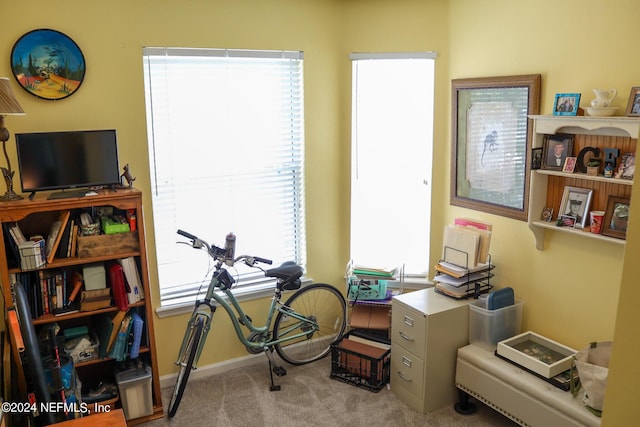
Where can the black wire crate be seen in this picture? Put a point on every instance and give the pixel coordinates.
(360, 362)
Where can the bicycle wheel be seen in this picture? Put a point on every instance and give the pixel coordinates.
(324, 305)
(186, 365)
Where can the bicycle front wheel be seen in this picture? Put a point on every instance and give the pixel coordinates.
(323, 305)
(186, 364)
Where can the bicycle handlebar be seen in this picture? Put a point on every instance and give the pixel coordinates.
(220, 254)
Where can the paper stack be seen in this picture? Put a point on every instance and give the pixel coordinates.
(465, 258)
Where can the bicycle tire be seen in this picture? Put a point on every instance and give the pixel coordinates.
(321, 302)
(186, 366)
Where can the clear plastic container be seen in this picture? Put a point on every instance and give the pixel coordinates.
(488, 327)
(134, 386)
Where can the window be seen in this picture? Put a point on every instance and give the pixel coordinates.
(226, 152)
(391, 155)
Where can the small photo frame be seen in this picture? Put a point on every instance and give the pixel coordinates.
(569, 164)
(547, 214)
(616, 217)
(556, 149)
(633, 106)
(566, 104)
(566, 221)
(536, 158)
(576, 203)
(627, 166)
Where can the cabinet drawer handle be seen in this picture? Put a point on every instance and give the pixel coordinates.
(406, 361)
(401, 375)
(402, 334)
(408, 321)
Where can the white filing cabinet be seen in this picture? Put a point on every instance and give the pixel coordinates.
(426, 331)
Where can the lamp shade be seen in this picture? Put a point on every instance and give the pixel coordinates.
(8, 103)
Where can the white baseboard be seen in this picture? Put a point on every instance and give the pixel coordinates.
(213, 369)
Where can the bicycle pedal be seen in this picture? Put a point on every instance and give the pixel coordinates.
(280, 371)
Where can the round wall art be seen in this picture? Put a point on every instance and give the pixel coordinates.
(48, 64)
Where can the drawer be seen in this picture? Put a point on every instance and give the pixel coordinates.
(407, 371)
(408, 329)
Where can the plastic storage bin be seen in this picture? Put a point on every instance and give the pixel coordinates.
(134, 386)
(487, 327)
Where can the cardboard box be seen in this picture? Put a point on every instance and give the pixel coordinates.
(537, 353)
(370, 317)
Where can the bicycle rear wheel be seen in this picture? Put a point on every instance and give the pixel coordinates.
(186, 364)
(325, 306)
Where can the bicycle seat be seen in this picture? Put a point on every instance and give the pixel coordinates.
(288, 271)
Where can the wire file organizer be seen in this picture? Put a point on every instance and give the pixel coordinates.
(462, 281)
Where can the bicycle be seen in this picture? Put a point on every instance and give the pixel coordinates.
(304, 328)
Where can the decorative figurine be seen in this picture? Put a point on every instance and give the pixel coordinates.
(608, 170)
(127, 175)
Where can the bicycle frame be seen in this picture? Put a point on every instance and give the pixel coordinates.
(207, 307)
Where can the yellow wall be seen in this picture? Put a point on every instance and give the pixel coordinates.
(571, 289)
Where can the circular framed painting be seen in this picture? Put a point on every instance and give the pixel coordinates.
(48, 64)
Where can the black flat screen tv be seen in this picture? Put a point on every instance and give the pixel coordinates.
(67, 160)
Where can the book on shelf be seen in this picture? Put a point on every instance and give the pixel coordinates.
(67, 309)
(135, 291)
(16, 232)
(64, 241)
(119, 348)
(11, 243)
(116, 321)
(55, 235)
(74, 240)
(136, 330)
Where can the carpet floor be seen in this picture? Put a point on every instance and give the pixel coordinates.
(309, 397)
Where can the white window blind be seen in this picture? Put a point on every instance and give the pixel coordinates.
(392, 140)
(226, 153)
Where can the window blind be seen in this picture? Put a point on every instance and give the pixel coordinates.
(226, 154)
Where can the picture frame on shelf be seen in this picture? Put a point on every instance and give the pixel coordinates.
(566, 104)
(547, 214)
(616, 216)
(536, 158)
(556, 148)
(633, 105)
(569, 164)
(627, 166)
(566, 221)
(491, 142)
(576, 203)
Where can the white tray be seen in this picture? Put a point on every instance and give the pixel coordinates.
(537, 353)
